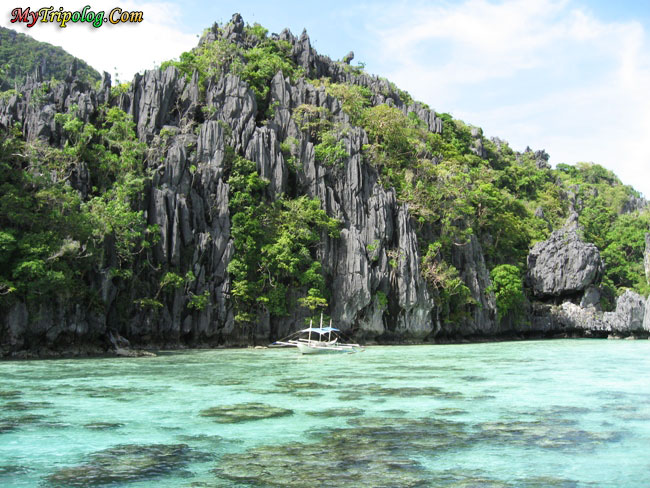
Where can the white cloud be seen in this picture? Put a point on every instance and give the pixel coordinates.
(541, 73)
(128, 47)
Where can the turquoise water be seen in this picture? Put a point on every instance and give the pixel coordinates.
(519, 414)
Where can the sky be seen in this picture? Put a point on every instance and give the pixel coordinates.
(568, 76)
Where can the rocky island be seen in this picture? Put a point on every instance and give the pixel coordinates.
(228, 196)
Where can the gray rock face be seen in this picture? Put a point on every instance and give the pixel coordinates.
(372, 269)
(16, 325)
(414, 317)
(233, 29)
(482, 320)
(191, 210)
(153, 95)
(376, 254)
(541, 158)
(570, 316)
(565, 268)
(646, 258)
(382, 90)
(264, 149)
(563, 265)
(628, 317)
(477, 143)
(591, 298)
(634, 204)
(234, 104)
(646, 315)
(51, 326)
(40, 101)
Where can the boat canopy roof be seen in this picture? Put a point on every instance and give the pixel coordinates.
(321, 330)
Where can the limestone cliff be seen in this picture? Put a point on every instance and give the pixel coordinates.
(373, 269)
(190, 207)
(564, 274)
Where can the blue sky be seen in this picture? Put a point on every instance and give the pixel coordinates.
(569, 76)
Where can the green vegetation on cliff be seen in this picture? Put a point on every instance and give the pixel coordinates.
(52, 236)
(69, 211)
(458, 183)
(274, 248)
(20, 55)
(508, 200)
(256, 65)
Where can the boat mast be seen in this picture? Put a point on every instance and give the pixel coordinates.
(321, 326)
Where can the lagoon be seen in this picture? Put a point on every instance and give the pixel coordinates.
(557, 413)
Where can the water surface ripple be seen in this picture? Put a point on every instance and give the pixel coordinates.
(569, 413)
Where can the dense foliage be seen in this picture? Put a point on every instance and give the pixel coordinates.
(457, 184)
(508, 200)
(42, 235)
(275, 244)
(618, 234)
(20, 55)
(508, 289)
(51, 236)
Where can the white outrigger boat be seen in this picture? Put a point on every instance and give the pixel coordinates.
(313, 340)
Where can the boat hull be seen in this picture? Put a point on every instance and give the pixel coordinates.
(323, 347)
(308, 349)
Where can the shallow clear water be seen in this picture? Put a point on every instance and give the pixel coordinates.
(533, 414)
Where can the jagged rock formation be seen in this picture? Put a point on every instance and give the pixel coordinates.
(483, 317)
(628, 316)
(646, 258)
(627, 319)
(541, 158)
(191, 207)
(572, 317)
(372, 269)
(477, 142)
(35, 110)
(563, 265)
(634, 204)
(565, 271)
